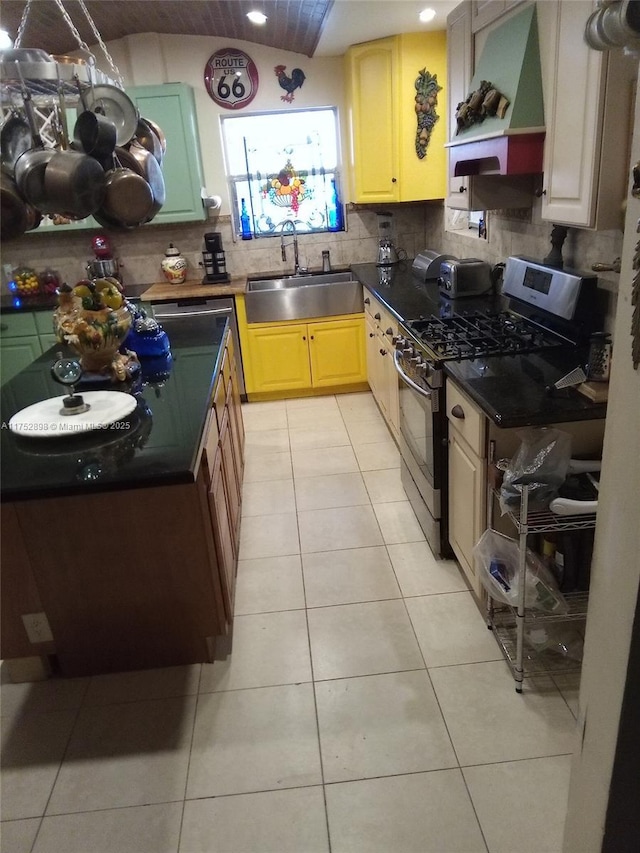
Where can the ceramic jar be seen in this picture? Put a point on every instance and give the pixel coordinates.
(174, 266)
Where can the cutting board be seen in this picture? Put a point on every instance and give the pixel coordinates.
(43, 419)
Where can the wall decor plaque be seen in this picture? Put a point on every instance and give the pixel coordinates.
(231, 78)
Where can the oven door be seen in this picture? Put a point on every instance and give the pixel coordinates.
(421, 445)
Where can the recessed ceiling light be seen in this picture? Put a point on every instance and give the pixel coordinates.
(259, 17)
(427, 15)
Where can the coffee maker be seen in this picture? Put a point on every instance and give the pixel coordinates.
(213, 259)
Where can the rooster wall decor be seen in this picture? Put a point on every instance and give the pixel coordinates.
(289, 84)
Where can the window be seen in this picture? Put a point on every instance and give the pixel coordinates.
(285, 165)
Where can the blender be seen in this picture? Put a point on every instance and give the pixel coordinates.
(387, 252)
(104, 264)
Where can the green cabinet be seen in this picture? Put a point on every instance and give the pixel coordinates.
(23, 337)
(172, 107)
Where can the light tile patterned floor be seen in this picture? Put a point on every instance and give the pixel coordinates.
(364, 707)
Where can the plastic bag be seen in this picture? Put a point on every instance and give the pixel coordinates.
(561, 639)
(541, 462)
(496, 559)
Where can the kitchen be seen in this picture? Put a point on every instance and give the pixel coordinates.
(416, 227)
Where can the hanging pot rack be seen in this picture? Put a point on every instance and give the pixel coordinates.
(48, 80)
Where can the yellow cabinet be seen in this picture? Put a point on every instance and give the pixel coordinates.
(281, 358)
(337, 353)
(381, 92)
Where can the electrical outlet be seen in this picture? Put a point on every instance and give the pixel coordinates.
(37, 627)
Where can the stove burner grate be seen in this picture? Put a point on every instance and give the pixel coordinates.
(479, 335)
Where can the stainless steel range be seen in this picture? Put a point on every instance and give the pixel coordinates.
(547, 308)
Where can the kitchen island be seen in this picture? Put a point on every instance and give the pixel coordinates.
(125, 538)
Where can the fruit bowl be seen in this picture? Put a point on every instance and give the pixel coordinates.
(93, 318)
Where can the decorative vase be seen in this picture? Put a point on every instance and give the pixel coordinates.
(174, 266)
(94, 333)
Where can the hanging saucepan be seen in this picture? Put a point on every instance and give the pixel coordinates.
(125, 158)
(159, 133)
(29, 169)
(117, 106)
(15, 139)
(17, 215)
(74, 183)
(152, 173)
(14, 218)
(128, 199)
(146, 138)
(95, 135)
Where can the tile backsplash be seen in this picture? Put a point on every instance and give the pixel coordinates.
(414, 226)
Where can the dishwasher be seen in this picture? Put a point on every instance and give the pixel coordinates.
(185, 315)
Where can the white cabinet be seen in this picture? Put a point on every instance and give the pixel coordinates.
(484, 12)
(459, 73)
(588, 99)
(478, 192)
(467, 478)
(380, 329)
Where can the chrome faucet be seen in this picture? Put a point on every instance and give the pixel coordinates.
(297, 269)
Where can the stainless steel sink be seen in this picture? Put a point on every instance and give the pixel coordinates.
(298, 297)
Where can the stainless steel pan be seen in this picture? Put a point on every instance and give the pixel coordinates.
(30, 166)
(74, 184)
(15, 139)
(152, 173)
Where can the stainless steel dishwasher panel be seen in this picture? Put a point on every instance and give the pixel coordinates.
(188, 314)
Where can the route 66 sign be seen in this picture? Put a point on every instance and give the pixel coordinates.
(231, 78)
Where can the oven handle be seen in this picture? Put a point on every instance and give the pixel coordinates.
(405, 378)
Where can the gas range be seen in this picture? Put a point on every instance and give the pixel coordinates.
(547, 308)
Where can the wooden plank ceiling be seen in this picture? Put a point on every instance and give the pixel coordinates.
(294, 25)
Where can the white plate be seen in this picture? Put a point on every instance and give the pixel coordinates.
(43, 419)
(117, 106)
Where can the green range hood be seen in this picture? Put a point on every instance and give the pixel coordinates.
(512, 144)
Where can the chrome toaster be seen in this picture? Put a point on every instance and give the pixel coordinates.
(465, 277)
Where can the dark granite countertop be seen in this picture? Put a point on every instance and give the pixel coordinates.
(160, 445)
(511, 390)
(48, 302)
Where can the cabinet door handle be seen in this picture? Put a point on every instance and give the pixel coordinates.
(367, 301)
(304, 337)
(540, 192)
(394, 180)
(383, 352)
(312, 338)
(389, 332)
(371, 335)
(458, 412)
(462, 189)
(377, 317)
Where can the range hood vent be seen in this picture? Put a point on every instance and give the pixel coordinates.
(510, 142)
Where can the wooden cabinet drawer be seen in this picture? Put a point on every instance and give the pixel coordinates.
(467, 418)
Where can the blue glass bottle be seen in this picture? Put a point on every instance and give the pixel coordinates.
(334, 209)
(245, 222)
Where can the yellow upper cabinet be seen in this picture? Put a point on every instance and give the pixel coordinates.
(381, 96)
